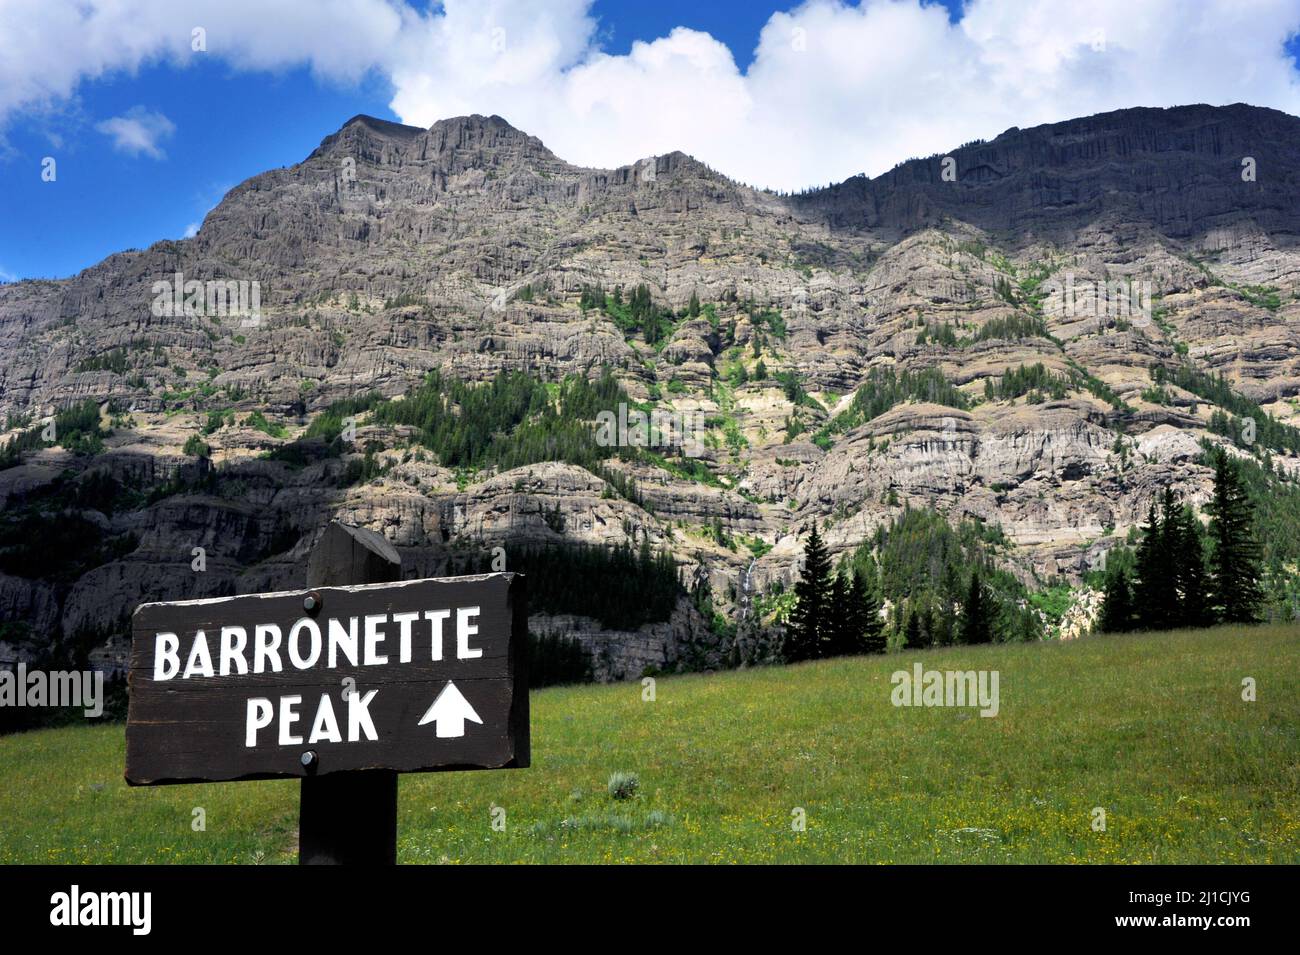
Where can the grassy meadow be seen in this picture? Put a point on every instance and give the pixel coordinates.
(1151, 728)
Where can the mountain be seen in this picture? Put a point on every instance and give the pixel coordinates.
(1176, 171)
(1035, 328)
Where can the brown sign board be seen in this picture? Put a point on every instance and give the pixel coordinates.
(407, 676)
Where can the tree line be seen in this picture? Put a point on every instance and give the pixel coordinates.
(837, 611)
(1185, 574)
(76, 427)
(621, 586)
(635, 313)
(1236, 407)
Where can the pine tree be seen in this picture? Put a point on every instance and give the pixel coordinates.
(871, 630)
(838, 638)
(693, 309)
(1235, 592)
(945, 631)
(1189, 561)
(977, 624)
(812, 596)
(1117, 604)
(912, 634)
(1152, 577)
(1170, 561)
(855, 610)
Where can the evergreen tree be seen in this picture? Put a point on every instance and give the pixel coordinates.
(927, 626)
(945, 625)
(1235, 592)
(1152, 575)
(977, 626)
(1169, 562)
(912, 634)
(637, 588)
(839, 637)
(812, 597)
(1188, 552)
(856, 612)
(1117, 604)
(897, 625)
(871, 630)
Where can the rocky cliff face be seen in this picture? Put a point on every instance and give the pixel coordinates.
(1099, 248)
(1176, 171)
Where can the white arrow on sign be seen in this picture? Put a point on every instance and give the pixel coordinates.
(449, 713)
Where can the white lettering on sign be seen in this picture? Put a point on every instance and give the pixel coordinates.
(373, 637)
(166, 664)
(332, 642)
(325, 728)
(233, 642)
(404, 622)
(343, 640)
(289, 716)
(261, 712)
(266, 638)
(259, 717)
(359, 717)
(200, 662)
(465, 630)
(295, 647)
(358, 642)
(435, 618)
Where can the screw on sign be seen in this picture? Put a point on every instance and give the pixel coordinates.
(343, 685)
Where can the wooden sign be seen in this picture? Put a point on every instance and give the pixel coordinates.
(405, 676)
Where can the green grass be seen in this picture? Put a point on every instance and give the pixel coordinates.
(1151, 728)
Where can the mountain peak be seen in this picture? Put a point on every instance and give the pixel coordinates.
(385, 126)
(365, 126)
(477, 121)
(454, 144)
(469, 140)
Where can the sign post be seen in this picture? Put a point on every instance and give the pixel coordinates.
(368, 797)
(343, 685)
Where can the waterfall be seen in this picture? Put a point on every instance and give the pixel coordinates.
(745, 580)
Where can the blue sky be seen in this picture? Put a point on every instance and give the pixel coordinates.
(147, 135)
(105, 200)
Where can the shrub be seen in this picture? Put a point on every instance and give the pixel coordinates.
(623, 785)
(259, 422)
(196, 447)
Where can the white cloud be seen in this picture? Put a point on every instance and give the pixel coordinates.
(836, 89)
(191, 230)
(48, 47)
(138, 132)
(833, 89)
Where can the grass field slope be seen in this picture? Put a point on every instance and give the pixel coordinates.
(1151, 729)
